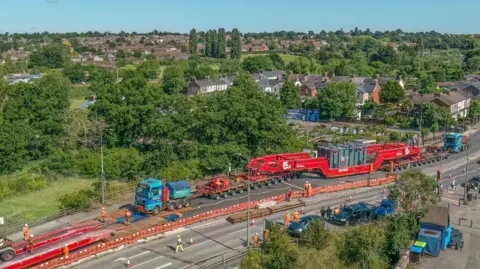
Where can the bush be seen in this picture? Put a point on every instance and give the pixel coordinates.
(118, 163)
(395, 136)
(389, 120)
(59, 162)
(77, 199)
(21, 183)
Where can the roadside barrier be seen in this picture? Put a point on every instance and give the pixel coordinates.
(162, 228)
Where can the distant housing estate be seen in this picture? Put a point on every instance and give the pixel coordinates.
(25, 78)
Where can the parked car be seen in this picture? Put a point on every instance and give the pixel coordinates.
(297, 228)
(353, 214)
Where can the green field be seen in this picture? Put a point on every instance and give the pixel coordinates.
(76, 103)
(42, 203)
(287, 58)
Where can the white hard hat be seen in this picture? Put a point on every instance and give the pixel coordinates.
(66, 245)
(26, 225)
(31, 235)
(256, 233)
(307, 181)
(178, 235)
(103, 207)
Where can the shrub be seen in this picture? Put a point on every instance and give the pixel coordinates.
(21, 183)
(77, 199)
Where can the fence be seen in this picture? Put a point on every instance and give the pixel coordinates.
(226, 261)
(15, 225)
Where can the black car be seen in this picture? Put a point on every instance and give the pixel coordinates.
(297, 228)
(353, 214)
(472, 183)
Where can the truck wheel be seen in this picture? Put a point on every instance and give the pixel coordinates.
(171, 206)
(179, 205)
(156, 210)
(187, 202)
(7, 255)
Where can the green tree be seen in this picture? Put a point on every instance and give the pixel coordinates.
(255, 64)
(364, 247)
(214, 42)
(208, 44)
(280, 252)
(236, 49)
(401, 230)
(15, 138)
(51, 56)
(8, 67)
(74, 72)
(253, 260)
(290, 95)
(337, 100)
(173, 79)
(391, 92)
(193, 41)
(414, 191)
(149, 69)
(474, 110)
(277, 61)
(230, 67)
(222, 43)
(316, 236)
(426, 84)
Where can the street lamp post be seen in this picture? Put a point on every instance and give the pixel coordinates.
(103, 171)
(466, 176)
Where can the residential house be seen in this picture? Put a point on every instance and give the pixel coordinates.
(85, 56)
(472, 78)
(76, 59)
(472, 90)
(270, 86)
(111, 57)
(25, 78)
(457, 102)
(97, 58)
(312, 88)
(206, 86)
(269, 75)
(363, 91)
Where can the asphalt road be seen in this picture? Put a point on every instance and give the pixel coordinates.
(217, 238)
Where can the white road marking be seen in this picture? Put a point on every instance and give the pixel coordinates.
(134, 256)
(146, 261)
(237, 231)
(293, 185)
(165, 265)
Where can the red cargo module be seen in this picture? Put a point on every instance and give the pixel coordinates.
(301, 162)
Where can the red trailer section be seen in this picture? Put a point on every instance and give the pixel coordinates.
(47, 252)
(300, 162)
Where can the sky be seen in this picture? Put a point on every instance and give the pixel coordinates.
(446, 16)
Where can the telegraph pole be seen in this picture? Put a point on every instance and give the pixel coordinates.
(466, 176)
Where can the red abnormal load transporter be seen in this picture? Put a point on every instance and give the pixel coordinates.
(343, 160)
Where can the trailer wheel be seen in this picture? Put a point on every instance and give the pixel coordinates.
(274, 181)
(216, 196)
(156, 210)
(268, 183)
(259, 185)
(240, 191)
(186, 202)
(232, 193)
(225, 194)
(171, 206)
(7, 255)
(253, 187)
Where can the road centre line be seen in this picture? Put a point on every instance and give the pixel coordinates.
(163, 266)
(293, 185)
(147, 261)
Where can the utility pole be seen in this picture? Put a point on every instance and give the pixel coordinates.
(103, 171)
(420, 125)
(466, 176)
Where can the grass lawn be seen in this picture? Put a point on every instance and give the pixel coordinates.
(287, 58)
(42, 203)
(76, 103)
(79, 91)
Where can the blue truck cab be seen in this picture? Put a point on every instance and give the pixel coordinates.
(152, 196)
(454, 142)
(386, 208)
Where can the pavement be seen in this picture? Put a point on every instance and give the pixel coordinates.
(217, 239)
(465, 218)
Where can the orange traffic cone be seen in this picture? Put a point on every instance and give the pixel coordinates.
(128, 264)
(191, 241)
(302, 211)
(252, 223)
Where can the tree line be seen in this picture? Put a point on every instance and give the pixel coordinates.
(215, 43)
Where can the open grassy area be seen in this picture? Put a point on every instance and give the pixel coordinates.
(287, 58)
(79, 91)
(42, 203)
(76, 103)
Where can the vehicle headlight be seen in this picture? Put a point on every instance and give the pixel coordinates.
(343, 220)
(298, 230)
